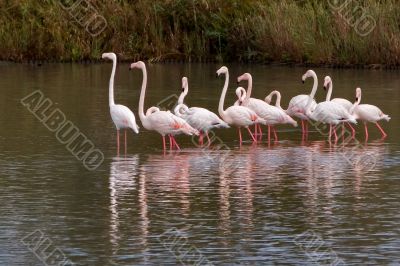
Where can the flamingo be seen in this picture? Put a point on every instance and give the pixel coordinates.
(329, 112)
(343, 102)
(288, 118)
(164, 122)
(238, 116)
(298, 104)
(271, 114)
(368, 113)
(121, 115)
(199, 118)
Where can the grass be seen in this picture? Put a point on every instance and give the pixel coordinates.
(289, 31)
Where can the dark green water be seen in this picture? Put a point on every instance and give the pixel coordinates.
(292, 202)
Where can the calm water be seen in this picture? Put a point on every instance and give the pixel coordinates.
(292, 202)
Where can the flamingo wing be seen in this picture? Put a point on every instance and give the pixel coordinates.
(123, 117)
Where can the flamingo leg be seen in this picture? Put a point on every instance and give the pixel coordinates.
(163, 140)
(302, 126)
(175, 143)
(384, 135)
(343, 132)
(330, 131)
(170, 142)
(353, 131)
(255, 129)
(366, 131)
(201, 138)
(125, 142)
(269, 133)
(334, 132)
(240, 136)
(275, 135)
(251, 134)
(118, 141)
(260, 131)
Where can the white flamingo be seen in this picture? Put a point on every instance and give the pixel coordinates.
(298, 105)
(238, 116)
(268, 99)
(199, 118)
(164, 122)
(271, 114)
(328, 85)
(368, 113)
(331, 113)
(121, 115)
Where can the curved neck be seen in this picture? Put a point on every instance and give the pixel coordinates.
(315, 85)
(278, 99)
(329, 94)
(142, 94)
(222, 99)
(249, 87)
(111, 85)
(183, 94)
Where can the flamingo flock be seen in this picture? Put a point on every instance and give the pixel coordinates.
(245, 112)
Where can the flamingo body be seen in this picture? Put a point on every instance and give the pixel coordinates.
(123, 117)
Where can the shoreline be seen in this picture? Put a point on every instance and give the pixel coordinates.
(171, 61)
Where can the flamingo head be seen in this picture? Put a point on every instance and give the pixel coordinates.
(241, 94)
(327, 81)
(138, 64)
(358, 94)
(111, 56)
(184, 84)
(222, 70)
(245, 76)
(308, 74)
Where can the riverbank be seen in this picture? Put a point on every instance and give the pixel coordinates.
(308, 32)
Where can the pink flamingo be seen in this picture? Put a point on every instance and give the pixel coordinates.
(199, 118)
(368, 113)
(238, 116)
(298, 105)
(121, 115)
(343, 102)
(164, 122)
(271, 114)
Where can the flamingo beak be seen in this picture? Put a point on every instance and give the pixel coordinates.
(325, 88)
(183, 89)
(302, 81)
(356, 99)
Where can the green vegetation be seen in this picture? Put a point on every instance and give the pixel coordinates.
(302, 31)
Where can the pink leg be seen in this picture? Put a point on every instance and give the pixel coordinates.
(269, 133)
(384, 135)
(175, 143)
(201, 138)
(353, 131)
(170, 142)
(125, 142)
(254, 139)
(275, 135)
(330, 131)
(118, 141)
(163, 141)
(260, 131)
(255, 129)
(334, 131)
(302, 126)
(366, 131)
(240, 136)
